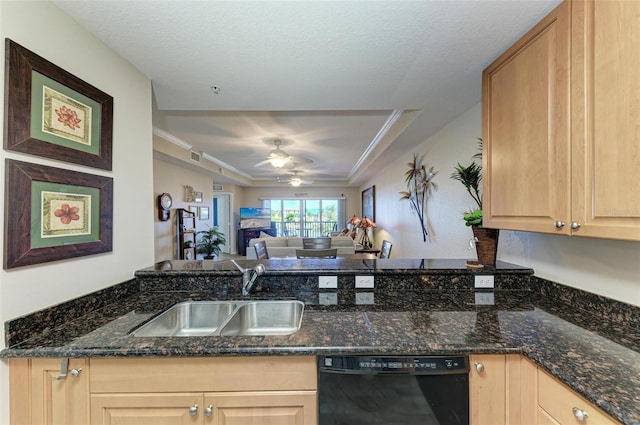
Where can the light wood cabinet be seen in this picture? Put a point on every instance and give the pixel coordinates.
(511, 389)
(558, 404)
(487, 389)
(560, 119)
(37, 398)
(220, 391)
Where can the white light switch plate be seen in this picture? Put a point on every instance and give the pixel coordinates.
(364, 282)
(327, 282)
(328, 298)
(484, 298)
(364, 298)
(484, 281)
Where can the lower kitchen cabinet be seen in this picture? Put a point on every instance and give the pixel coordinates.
(248, 407)
(558, 404)
(511, 389)
(39, 395)
(219, 390)
(158, 391)
(487, 389)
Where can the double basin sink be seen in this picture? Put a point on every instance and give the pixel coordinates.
(225, 318)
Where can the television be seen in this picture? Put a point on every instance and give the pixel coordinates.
(255, 218)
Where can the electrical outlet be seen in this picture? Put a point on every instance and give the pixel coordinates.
(328, 298)
(364, 282)
(364, 298)
(328, 282)
(484, 281)
(484, 298)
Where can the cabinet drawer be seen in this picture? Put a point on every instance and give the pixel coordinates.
(558, 401)
(246, 373)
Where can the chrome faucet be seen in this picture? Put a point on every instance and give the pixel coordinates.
(249, 276)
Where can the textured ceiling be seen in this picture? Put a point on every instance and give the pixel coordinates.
(339, 81)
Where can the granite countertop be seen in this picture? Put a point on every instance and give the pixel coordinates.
(415, 314)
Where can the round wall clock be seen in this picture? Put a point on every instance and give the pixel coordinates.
(164, 205)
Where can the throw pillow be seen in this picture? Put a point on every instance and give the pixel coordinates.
(264, 235)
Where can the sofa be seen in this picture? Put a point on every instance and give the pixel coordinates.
(283, 246)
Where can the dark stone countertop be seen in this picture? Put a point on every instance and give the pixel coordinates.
(414, 312)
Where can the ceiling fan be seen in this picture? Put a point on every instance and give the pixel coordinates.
(295, 180)
(279, 158)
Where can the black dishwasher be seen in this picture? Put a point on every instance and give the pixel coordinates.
(393, 390)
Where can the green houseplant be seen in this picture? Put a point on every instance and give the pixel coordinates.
(486, 240)
(210, 241)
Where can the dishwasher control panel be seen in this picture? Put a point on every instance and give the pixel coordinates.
(435, 365)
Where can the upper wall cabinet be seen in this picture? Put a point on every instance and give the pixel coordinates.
(561, 125)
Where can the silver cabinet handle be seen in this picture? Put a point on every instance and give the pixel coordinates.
(559, 224)
(574, 225)
(209, 410)
(75, 372)
(193, 410)
(479, 367)
(580, 414)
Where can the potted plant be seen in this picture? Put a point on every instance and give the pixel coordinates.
(210, 241)
(486, 240)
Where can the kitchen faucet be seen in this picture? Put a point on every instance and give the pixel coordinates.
(249, 276)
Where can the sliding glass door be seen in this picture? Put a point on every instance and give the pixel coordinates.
(306, 217)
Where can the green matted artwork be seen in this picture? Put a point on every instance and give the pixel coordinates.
(68, 214)
(54, 114)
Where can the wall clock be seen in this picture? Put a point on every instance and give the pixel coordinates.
(164, 205)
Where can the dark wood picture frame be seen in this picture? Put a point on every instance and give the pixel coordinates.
(19, 189)
(369, 203)
(20, 66)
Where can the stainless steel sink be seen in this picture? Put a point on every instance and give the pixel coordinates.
(265, 318)
(191, 318)
(217, 318)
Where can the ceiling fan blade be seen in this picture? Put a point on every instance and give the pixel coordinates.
(300, 160)
(261, 163)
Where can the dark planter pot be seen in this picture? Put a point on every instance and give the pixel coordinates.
(486, 244)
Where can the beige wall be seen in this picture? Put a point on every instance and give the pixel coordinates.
(601, 266)
(44, 29)
(171, 178)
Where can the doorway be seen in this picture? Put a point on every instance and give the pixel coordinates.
(222, 218)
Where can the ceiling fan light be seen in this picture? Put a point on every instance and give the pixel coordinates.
(295, 182)
(278, 162)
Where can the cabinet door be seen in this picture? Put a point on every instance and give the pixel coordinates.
(487, 389)
(263, 408)
(147, 409)
(526, 149)
(36, 398)
(522, 397)
(606, 118)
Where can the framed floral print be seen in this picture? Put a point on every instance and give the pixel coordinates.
(54, 214)
(54, 114)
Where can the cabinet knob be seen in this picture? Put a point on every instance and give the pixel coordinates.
(580, 414)
(193, 410)
(76, 372)
(574, 225)
(479, 367)
(559, 224)
(208, 411)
